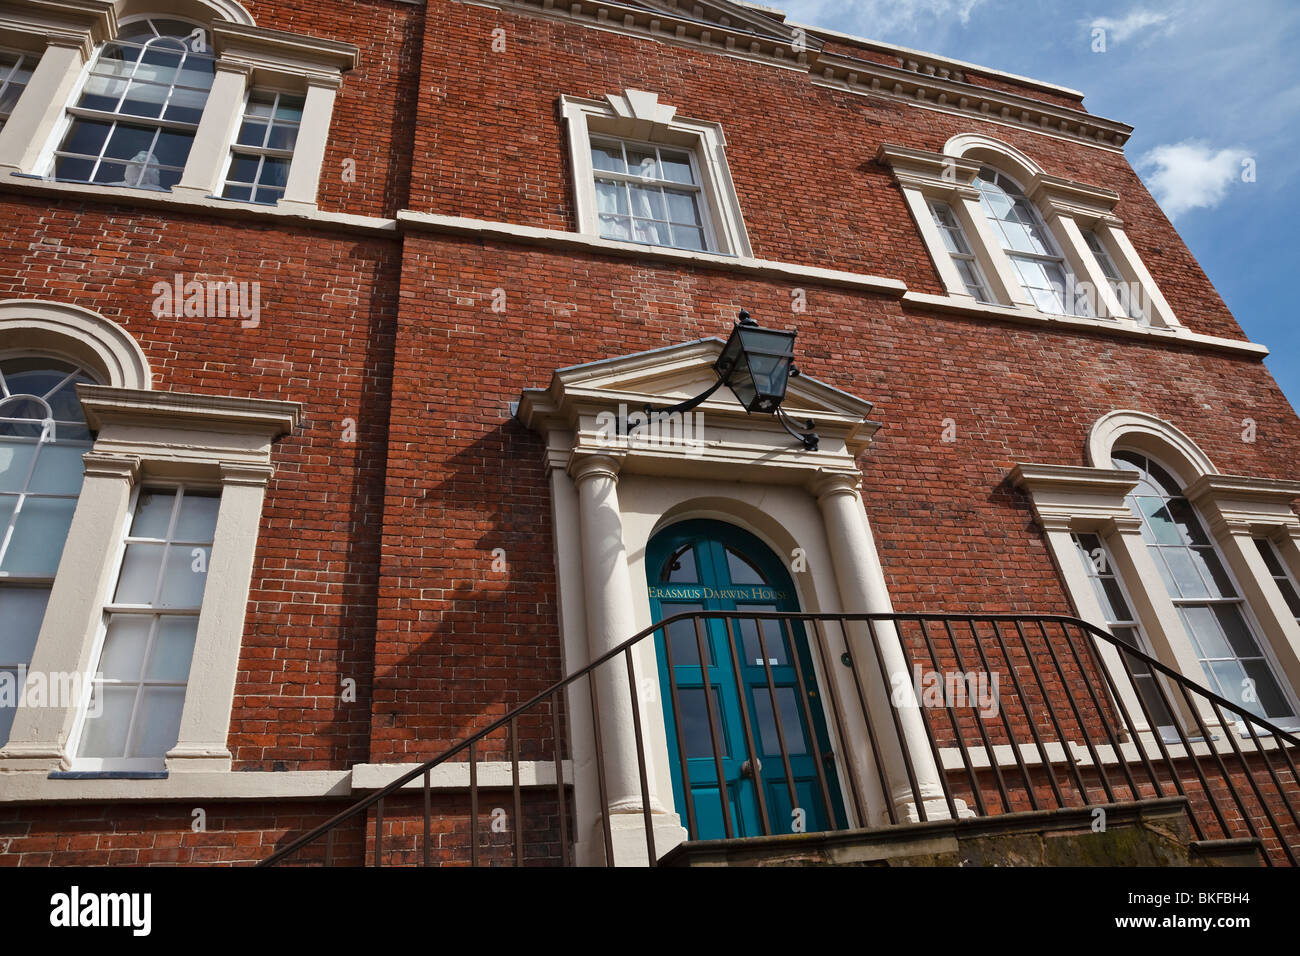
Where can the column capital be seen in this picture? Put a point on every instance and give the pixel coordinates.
(1056, 522)
(1223, 526)
(582, 467)
(1122, 525)
(325, 81)
(237, 473)
(226, 65)
(1283, 532)
(828, 484)
(81, 42)
(100, 465)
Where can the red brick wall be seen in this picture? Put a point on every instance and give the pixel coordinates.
(325, 339)
(371, 125)
(377, 554)
(153, 834)
(489, 144)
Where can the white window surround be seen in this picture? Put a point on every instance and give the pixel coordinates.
(77, 334)
(266, 152)
(639, 116)
(611, 494)
(65, 36)
(90, 745)
(1069, 209)
(1067, 499)
(143, 435)
(70, 33)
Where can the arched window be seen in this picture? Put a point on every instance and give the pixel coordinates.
(1213, 612)
(135, 119)
(1029, 245)
(43, 435)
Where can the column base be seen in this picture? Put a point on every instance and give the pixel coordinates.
(935, 803)
(297, 205)
(185, 758)
(195, 193)
(32, 757)
(627, 831)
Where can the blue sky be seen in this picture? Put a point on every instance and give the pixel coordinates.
(1206, 83)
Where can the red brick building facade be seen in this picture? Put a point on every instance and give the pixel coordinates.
(393, 453)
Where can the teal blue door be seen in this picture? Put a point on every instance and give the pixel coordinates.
(712, 566)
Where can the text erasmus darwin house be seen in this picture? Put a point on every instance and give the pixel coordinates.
(343, 350)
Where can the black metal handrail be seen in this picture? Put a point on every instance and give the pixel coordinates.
(1075, 706)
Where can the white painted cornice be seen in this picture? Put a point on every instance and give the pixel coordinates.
(920, 79)
(106, 406)
(924, 61)
(1243, 488)
(1073, 479)
(215, 437)
(1075, 498)
(32, 24)
(1080, 200)
(767, 41)
(1245, 505)
(869, 78)
(933, 173)
(278, 52)
(761, 20)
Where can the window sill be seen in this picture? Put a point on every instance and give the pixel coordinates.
(42, 786)
(963, 305)
(113, 188)
(185, 199)
(107, 775)
(555, 239)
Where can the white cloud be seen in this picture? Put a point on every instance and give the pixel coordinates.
(881, 17)
(1191, 175)
(1139, 21)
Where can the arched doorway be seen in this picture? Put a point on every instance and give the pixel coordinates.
(709, 565)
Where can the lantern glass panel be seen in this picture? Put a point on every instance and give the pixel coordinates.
(741, 384)
(730, 356)
(768, 353)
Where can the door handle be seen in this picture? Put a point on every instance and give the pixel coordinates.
(747, 769)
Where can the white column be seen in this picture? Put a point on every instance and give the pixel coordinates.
(863, 590)
(210, 691)
(41, 106)
(1105, 303)
(309, 151)
(1002, 277)
(217, 128)
(947, 269)
(611, 621)
(40, 736)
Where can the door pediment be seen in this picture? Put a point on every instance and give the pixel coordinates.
(578, 410)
